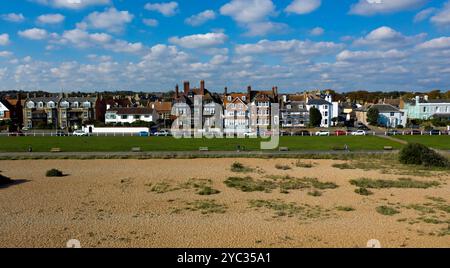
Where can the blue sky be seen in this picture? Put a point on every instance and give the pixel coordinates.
(297, 45)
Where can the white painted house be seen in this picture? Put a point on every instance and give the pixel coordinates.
(328, 109)
(4, 112)
(130, 115)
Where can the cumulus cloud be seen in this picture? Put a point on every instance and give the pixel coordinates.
(254, 16)
(317, 31)
(265, 28)
(5, 54)
(50, 19)
(303, 6)
(199, 40)
(290, 47)
(167, 9)
(385, 37)
(4, 39)
(437, 43)
(150, 22)
(369, 8)
(424, 14)
(201, 18)
(248, 11)
(72, 4)
(442, 17)
(347, 55)
(34, 34)
(13, 17)
(110, 20)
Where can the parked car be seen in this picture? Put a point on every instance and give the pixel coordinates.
(393, 132)
(340, 133)
(302, 133)
(359, 133)
(435, 132)
(79, 133)
(413, 132)
(144, 134)
(323, 133)
(162, 133)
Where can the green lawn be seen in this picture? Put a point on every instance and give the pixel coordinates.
(437, 142)
(124, 144)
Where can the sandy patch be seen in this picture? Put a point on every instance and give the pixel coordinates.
(110, 203)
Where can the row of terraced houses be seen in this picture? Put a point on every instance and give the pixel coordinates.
(60, 111)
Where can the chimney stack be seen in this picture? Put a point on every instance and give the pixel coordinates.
(202, 87)
(226, 91)
(249, 91)
(186, 87)
(177, 92)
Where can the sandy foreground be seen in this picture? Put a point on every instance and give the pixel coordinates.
(109, 203)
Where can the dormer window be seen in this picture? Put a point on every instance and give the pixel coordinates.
(74, 104)
(40, 104)
(51, 104)
(64, 104)
(229, 98)
(244, 98)
(87, 105)
(30, 105)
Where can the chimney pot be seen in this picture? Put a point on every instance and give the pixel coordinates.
(202, 87)
(186, 87)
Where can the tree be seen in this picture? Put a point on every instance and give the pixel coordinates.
(372, 116)
(315, 117)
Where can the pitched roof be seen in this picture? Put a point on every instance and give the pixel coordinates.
(161, 106)
(385, 108)
(132, 110)
(318, 102)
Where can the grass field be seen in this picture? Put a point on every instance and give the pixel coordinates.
(437, 142)
(124, 144)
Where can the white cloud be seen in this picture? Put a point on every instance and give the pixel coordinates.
(442, 18)
(4, 39)
(303, 6)
(254, 16)
(317, 31)
(424, 14)
(201, 18)
(34, 34)
(265, 28)
(289, 48)
(384, 37)
(369, 8)
(73, 4)
(150, 22)
(50, 19)
(199, 40)
(437, 43)
(247, 11)
(120, 46)
(13, 17)
(347, 55)
(167, 9)
(5, 54)
(110, 20)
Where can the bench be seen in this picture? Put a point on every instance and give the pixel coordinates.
(284, 149)
(388, 148)
(55, 150)
(136, 149)
(203, 149)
